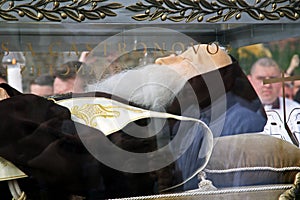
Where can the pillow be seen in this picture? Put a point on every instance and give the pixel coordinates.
(252, 159)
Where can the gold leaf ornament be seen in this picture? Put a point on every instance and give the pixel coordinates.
(170, 4)
(156, 15)
(8, 17)
(141, 17)
(57, 10)
(242, 3)
(229, 15)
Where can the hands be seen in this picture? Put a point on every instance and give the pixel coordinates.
(293, 64)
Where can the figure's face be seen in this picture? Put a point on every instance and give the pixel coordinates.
(266, 92)
(180, 64)
(198, 59)
(41, 90)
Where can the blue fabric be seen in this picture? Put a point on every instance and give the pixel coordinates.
(239, 118)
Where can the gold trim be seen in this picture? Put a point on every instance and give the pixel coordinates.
(89, 112)
(57, 10)
(8, 171)
(189, 10)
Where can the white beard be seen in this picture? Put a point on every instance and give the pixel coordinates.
(151, 86)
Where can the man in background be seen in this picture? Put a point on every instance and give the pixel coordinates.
(269, 94)
(66, 80)
(42, 85)
(3, 74)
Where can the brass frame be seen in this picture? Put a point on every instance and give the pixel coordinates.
(151, 10)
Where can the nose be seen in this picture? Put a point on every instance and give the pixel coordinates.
(169, 60)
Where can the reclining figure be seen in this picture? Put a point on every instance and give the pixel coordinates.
(145, 131)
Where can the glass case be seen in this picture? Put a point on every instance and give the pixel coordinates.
(129, 125)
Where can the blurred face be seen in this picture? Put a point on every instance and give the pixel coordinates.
(41, 90)
(65, 86)
(296, 87)
(268, 92)
(288, 92)
(2, 80)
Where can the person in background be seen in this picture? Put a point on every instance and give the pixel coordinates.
(42, 85)
(288, 91)
(269, 94)
(66, 80)
(296, 90)
(3, 74)
(291, 88)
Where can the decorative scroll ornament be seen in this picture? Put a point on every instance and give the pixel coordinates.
(57, 10)
(189, 10)
(89, 112)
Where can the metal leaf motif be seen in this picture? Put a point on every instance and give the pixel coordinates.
(30, 14)
(226, 2)
(188, 2)
(207, 5)
(253, 14)
(51, 17)
(242, 3)
(271, 16)
(176, 18)
(170, 4)
(140, 17)
(174, 10)
(156, 15)
(192, 17)
(57, 10)
(229, 15)
(7, 16)
(215, 18)
(135, 8)
(113, 6)
(92, 16)
(289, 14)
(107, 12)
(178, 10)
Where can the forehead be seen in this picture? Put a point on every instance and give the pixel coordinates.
(297, 83)
(265, 71)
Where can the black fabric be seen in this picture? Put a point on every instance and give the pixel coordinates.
(40, 138)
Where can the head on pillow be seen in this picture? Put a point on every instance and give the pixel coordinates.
(156, 85)
(197, 59)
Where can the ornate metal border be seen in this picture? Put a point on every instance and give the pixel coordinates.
(57, 10)
(189, 10)
(173, 10)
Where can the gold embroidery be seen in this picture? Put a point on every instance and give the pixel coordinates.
(89, 112)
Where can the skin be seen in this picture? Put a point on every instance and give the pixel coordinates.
(179, 64)
(41, 90)
(288, 92)
(197, 60)
(266, 92)
(65, 86)
(2, 80)
(296, 87)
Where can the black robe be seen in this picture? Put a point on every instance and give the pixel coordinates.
(40, 138)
